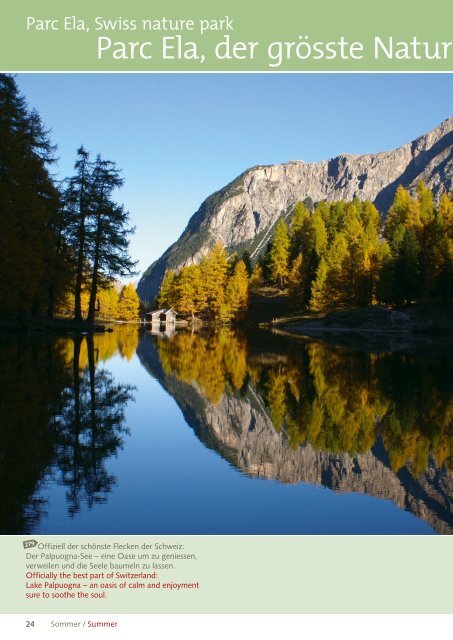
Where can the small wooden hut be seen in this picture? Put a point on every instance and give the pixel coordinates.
(162, 316)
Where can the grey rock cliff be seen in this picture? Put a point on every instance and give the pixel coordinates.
(243, 214)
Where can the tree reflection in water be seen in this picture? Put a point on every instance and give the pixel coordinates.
(61, 418)
(305, 411)
(336, 399)
(90, 429)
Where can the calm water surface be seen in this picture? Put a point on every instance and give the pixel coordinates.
(222, 433)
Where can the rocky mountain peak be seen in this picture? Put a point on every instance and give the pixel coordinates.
(243, 214)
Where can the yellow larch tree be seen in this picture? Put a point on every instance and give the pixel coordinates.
(128, 304)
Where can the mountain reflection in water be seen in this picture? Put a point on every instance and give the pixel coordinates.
(349, 420)
(295, 412)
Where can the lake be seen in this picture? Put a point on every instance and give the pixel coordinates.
(222, 432)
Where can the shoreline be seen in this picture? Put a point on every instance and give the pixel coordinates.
(50, 326)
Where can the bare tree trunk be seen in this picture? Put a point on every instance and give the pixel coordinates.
(81, 253)
(93, 417)
(94, 281)
(79, 274)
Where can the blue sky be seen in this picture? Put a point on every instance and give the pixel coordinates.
(179, 137)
